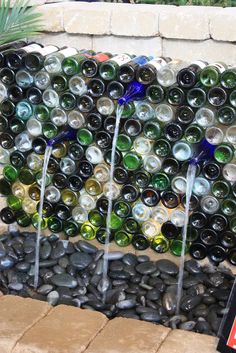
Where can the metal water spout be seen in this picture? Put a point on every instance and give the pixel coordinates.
(67, 134)
(204, 152)
(135, 91)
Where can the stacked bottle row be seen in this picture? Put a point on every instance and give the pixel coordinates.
(45, 90)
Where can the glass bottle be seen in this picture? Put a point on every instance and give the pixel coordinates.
(211, 170)
(144, 111)
(201, 186)
(140, 242)
(205, 117)
(78, 85)
(228, 78)
(24, 79)
(59, 83)
(146, 74)
(87, 231)
(173, 132)
(42, 80)
(210, 75)
(216, 96)
(176, 247)
(15, 93)
(184, 115)
(124, 143)
(188, 76)
(155, 94)
(229, 172)
(208, 237)
(141, 212)
(10, 173)
(7, 76)
(13, 58)
(196, 97)
(121, 175)
(131, 161)
(132, 127)
(67, 101)
(220, 189)
(150, 197)
(160, 244)
(50, 98)
(122, 209)
(53, 62)
(175, 96)
(224, 153)
(160, 181)
(169, 230)
(90, 66)
(72, 65)
(115, 90)
(198, 251)
(108, 70)
(75, 119)
(71, 228)
(126, 72)
(216, 254)
(166, 76)
(85, 103)
(218, 222)
(170, 199)
(34, 61)
(122, 238)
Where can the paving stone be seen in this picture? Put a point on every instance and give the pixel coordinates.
(127, 335)
(135, 45)
(179, 341)
(194, 18)
(52, 17)
(17, 316)
(65, 330)
(87, 18)
(142, 20)
(222, 25)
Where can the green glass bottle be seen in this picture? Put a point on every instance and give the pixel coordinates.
(123, 238)
(131, 225)
(160, 181)
(124, 143)
(193, 134)
(10, 173)
(115, 222)
(196, 97)
(36, 219)
(55, 224)
(108, 69)
(26, 176)
(96, 218)
(228, 78)
(122, 209)
(220, 189)
(228, 207)
(50, 130)
(85, 137)
(131, 161)
(162, 148)
(160, 244)
(72, 65)
(224, 153)
(152, 130)
(41, 113)
(226, 115)
(128, 110)
(23, 219)
(87, 231)
(210, 75)
(176, 247)
(71, 228)
(14, 202)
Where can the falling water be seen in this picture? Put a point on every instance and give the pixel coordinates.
(47, 155)
(119, 111)
(191, 173)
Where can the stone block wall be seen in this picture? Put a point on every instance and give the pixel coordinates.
(185, 32)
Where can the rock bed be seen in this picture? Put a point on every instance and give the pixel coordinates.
(71, 273)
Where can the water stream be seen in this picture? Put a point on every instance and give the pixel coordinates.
(119, 111)
(47, 155)
(191, 173)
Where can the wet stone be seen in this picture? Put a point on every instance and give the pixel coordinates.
(188, 303)
(64, 280)
(45, 289)
(188, 325)
(58, 251)
(192, 266)
(126, 304)
(147, 267)
(47, 263)
(6, 262)
(86, 247)
(114, 255)
(167, 266)
(153, 294)
(119, 275)
(45, 250)
(130, 259)
(2, 250)
(22, 266)
(15, 286)
(116, 266)
(169, 302)
(58, 269)
(152, 316)
(80, 260)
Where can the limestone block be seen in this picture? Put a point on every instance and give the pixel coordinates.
(185, 22)
(87, 18)
(52, 17)
(179, 341)
(65, 330)
(132, 45)
(127, 335)
(222, 25)
(208, 50)
(17, 316)
(65, 39)
(128, 20)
